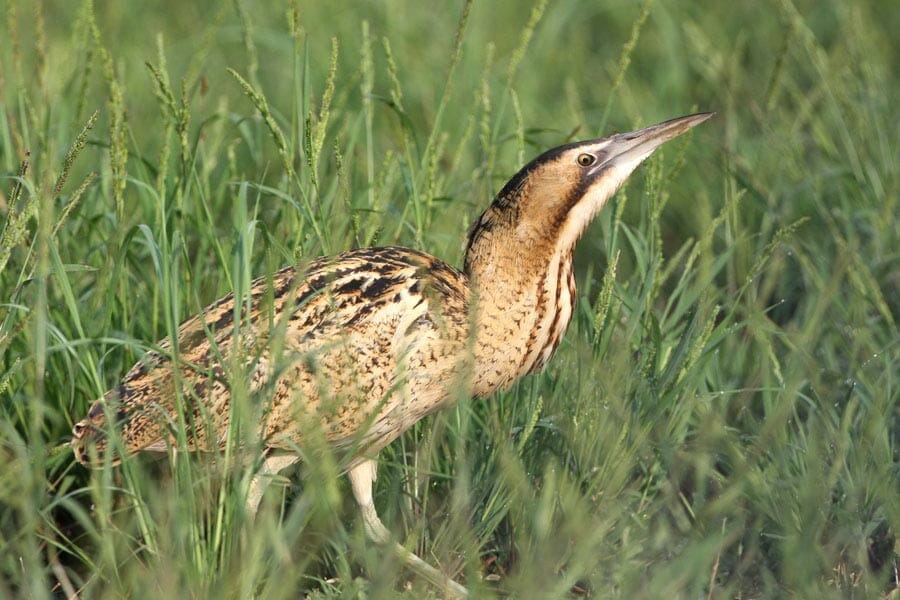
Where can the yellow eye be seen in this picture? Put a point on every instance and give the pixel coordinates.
(586, 160)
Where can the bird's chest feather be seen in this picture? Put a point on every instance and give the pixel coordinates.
(521, 324)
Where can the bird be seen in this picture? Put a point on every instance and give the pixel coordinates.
(357, 347)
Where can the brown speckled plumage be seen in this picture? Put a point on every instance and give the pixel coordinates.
(360, 346)
(347, 327)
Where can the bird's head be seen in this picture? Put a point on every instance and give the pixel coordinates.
(552, 199)
(114, 428)
(90, 432)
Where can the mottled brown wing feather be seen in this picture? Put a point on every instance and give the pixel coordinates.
(356, 347)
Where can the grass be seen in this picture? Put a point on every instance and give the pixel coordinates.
(722, 418)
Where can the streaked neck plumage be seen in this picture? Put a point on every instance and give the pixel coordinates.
(519, 260)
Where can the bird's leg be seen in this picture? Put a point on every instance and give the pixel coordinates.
(362, 476)
(273, 465)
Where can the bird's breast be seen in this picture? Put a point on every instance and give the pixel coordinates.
(521, 322)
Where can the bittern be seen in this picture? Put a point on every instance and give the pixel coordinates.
(364, 344)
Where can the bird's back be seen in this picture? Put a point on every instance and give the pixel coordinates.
(355, 347)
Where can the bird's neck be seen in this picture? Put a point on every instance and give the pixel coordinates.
(524, 294)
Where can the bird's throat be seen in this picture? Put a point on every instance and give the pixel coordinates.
(523, 302)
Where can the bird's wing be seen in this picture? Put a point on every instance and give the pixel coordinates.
(321, 340)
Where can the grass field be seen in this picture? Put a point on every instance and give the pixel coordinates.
(721, 420)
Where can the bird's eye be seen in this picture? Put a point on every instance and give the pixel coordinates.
(586, 160)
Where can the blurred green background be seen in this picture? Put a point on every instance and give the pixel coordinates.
(721, 420)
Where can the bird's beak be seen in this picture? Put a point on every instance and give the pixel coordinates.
(632, 148)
